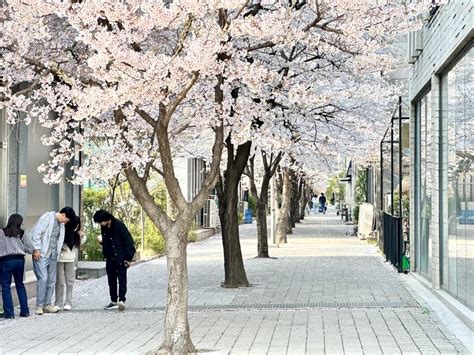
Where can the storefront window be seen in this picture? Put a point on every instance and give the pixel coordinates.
(458, 268)
(425, 183)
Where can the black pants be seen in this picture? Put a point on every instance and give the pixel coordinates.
(116, 271)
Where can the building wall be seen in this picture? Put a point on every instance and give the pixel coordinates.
(22, 189)
(190, 173)
(442, 39)
(3, 169)
(440, 44)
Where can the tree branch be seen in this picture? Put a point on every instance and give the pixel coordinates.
(181, 96)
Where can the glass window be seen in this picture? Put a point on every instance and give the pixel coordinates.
(458, 270)
(425, 181)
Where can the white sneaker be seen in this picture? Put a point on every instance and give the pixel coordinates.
(121, 305)
(39, 311)
(51, 309)
(111, 305)
(67, 307)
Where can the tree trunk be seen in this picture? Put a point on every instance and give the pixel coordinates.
(295, 200)
(176, 337)
(235, 275)
(283, 215)
(303, 200)
(298, 189)
(262, 236)
(291, 210)
(270, 164)
(234, 269)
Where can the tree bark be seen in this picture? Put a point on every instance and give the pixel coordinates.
(303, 199)
(291, 217)
(298, 191)
(295, 200)
(262, 235)
(227, 190)
(177, 337)
(283, 215)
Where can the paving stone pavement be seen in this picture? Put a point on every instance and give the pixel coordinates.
(325, 292)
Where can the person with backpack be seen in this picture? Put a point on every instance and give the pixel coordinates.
(118, 249)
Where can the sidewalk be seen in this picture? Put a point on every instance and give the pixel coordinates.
(326, 292)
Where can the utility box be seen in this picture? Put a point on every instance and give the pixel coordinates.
(248, 216)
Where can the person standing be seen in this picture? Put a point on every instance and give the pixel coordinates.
(118, 249)
(322, 203)
(14, 245)
(66, 273)
(314, 200)
(48, 236)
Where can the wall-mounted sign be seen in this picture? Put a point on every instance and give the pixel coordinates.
(23, 181)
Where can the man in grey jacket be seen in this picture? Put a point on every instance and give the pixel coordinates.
(47, 237)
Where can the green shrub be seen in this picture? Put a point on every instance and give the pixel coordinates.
(356, 213)
(192, 235)
(128, 210)
(252, 203)
(333, 186)
(240, 218)
(91, 250)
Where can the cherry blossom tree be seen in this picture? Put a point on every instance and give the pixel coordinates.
(130, 85)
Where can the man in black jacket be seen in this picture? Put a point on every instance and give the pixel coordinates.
(322, 203)
(118, 249)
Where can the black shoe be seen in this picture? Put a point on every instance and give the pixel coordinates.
(24, 315)
(111, 305)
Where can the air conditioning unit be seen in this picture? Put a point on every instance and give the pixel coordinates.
(206, 214)
(214, 220)
(415, 45)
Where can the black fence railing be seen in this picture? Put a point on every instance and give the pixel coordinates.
(393, 240)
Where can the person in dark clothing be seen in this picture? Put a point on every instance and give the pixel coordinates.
(322, 203)
(118, 249)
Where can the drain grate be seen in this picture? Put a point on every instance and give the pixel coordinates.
(279, 306)
(303, 306)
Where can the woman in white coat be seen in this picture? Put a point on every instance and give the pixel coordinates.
(66, 275)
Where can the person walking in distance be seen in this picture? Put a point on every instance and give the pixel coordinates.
(47, 237)
(14, 245)
(314, 201)
(322, 203)
(118, 249)
(66, 274)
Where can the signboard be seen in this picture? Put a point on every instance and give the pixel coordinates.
(366, 220)
(23, 181)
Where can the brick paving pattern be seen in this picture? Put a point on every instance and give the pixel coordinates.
(325, 292)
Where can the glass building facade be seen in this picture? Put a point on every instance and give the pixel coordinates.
(441, 93)
(458, 244)
(444, 180)
(425, 181)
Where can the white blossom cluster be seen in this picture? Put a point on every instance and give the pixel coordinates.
(305, 80)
